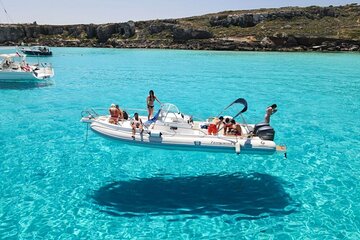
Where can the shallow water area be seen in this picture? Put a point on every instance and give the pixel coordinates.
(61, 182)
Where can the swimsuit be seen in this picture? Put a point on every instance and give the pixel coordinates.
(114, 113)
(212, 129)
(151, 100)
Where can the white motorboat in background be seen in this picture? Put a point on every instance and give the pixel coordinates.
(172, 129)
(15, 69)
(36, 50)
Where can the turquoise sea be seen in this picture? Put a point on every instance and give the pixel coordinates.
(57, 185)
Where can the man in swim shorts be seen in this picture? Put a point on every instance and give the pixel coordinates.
(136, 123)
(215, 125)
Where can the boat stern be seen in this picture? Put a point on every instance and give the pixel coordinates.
(44, 72)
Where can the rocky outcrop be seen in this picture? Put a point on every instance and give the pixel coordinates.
(266, 42)
(242, 20)
(182, 35)
(160, 26)
(29, 32)
(252, 19)
(285, 29)
(11, 33)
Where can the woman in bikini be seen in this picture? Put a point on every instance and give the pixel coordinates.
(150, 103)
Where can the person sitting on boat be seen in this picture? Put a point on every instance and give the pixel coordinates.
(270, 111)
(150, 100)
(7, 63)
(114, 114)
(227, 125)
(120, 112)
(235, 128)
(136, 123)
(26, 68)
(214, 126)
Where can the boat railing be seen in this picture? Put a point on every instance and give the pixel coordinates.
(205, 134)
(128, 110)
(46, 65)
(91, 113)
(135, 109)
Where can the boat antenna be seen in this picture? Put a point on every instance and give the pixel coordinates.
(9, 19)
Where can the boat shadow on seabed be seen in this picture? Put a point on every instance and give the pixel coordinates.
(252, 196)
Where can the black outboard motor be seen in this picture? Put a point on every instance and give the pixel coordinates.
(264, 131)
(259, 125)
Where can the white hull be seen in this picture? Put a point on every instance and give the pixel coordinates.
(182, 138)
(12, 71)
(10, 77)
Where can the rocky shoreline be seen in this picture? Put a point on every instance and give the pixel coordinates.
(285, 29)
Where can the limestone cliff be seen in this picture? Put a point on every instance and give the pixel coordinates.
(283, 29)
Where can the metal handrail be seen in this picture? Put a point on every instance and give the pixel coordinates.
(89, 112)
(131, 109)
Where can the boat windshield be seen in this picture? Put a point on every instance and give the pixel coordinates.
(167, 108)
(170, 113)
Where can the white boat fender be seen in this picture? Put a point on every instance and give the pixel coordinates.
(155, 133)
(237, 147)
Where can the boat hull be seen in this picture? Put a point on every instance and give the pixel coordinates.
(24, 77)
(192, 142)
(36, 53)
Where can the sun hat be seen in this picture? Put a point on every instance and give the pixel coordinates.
(112, 105)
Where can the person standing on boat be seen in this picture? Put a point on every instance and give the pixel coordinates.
(114, 114)
(270, 111)
(150, 100)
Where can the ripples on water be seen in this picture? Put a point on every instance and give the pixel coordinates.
(56, 185)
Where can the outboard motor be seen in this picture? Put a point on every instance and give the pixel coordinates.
(266, 133)
(259, 125)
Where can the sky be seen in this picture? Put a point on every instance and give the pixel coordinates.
(58, 12)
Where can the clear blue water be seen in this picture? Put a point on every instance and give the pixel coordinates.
(54, 185)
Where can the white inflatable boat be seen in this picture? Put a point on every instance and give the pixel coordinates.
(172, 129)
